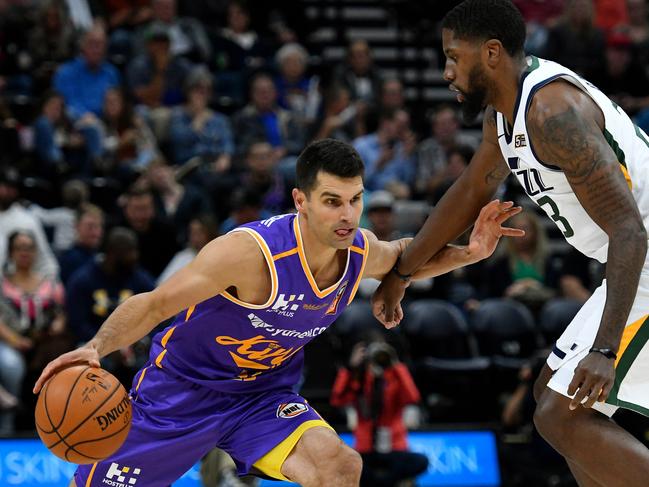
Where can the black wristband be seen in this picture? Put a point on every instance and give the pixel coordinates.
(395, 269)
(607, 352)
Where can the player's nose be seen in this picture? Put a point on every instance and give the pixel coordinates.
(449, 74)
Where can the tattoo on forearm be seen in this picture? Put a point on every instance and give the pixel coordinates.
(496, 174)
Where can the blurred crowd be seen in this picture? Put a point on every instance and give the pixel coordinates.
(134, 132)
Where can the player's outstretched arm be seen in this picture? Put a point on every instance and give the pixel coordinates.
(566, 129)
(219, 265)
(452, 215)
(483, 241)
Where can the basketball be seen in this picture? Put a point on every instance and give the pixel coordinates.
(83, 414)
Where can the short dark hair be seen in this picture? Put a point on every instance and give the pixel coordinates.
(488, 19)
(328, 155)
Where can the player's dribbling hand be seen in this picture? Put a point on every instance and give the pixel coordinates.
(82, 355)
(386, 301)
(594, 377)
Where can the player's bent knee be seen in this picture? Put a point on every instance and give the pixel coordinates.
(541, 382)
(550, 420)
(349, 465)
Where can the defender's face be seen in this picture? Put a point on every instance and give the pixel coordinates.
(333, 209)
(464, 71)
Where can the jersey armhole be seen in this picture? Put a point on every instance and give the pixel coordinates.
(274, 285)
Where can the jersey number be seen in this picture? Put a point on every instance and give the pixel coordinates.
(556, 217)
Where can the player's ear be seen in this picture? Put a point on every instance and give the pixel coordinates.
(299, 198)
(493, 51)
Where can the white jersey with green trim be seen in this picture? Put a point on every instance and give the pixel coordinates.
(546, 184)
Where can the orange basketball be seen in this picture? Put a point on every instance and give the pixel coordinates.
(83, 414)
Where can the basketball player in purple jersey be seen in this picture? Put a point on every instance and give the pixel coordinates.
(223, 374)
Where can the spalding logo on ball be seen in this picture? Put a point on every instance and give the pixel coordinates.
(83, 414)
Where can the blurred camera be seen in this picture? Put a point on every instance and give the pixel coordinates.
(381, 355)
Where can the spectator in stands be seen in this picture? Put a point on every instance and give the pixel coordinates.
(297, 92)
(575, 38)
(52, 41)
(539, 17)
(84, 81)
(89, 234)
(187, 36)
(389, 162)
(13, 216)
(611, 14)
(12, 368)
(578, 276)
(157, 240)
(61, 220)
(37, 303)
(129, 145)
(433, 152)
(638, 29)
(156, 76)
(392, 96)
(340, 119)
(379, 387)
(238, 47)
(246, 206)
(60, 149)
(262, 119)
(358, 73)
(623, 79)
(196, 131)
(96, 289)
(10, 129)
(457, 161)
(262, 176)
(127, 14)
(382, 221)
(175, 203)
(202, 230)
(523, 272)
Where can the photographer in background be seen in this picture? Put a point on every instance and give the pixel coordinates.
(379, 387)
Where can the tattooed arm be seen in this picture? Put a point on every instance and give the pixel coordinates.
(566, 130)
(454, 213)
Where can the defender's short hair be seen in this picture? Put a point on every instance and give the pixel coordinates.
(488, 19)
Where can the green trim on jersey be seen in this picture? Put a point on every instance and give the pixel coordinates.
(640, 134)
(619, 153)
(630, 354)
(534, 64)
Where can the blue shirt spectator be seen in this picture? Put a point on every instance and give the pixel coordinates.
(95, 290)
(83, 82)
(196, 130)
(385, 162)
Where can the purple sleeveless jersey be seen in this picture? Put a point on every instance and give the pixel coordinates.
(231, 346)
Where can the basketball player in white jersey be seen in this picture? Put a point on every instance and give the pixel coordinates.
(582, 160)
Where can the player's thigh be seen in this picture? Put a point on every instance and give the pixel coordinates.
(319, 452)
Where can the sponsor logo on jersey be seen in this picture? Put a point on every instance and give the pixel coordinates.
(291, 409)
(333, 307)
(519, 141)
(314, 307)
(286, 306)
(121, 412)
(121, 476)
(257, 322)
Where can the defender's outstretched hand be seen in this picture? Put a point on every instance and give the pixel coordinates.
(488, 228)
